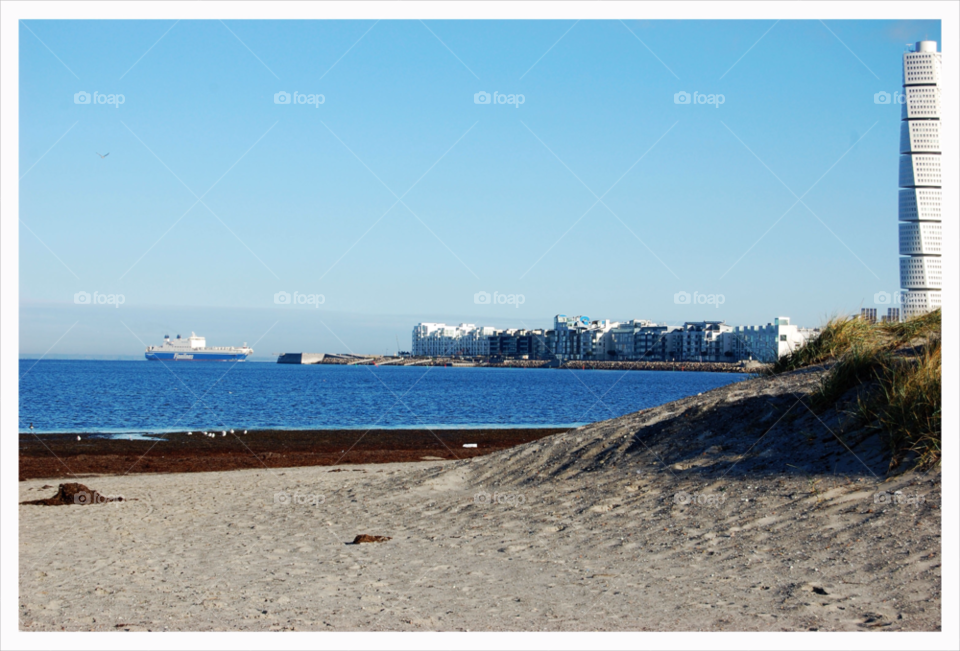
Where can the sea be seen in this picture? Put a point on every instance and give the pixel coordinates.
(143, 398)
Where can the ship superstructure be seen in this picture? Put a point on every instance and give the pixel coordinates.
(195, 349)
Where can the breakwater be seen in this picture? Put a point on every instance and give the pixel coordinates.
(703, 367)
(596, 365)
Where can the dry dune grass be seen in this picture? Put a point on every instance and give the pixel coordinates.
(894, 368)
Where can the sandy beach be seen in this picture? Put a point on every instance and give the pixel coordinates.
(738, 509)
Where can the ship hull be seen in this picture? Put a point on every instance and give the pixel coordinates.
(195, 357)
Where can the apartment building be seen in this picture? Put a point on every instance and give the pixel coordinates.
(581, 338)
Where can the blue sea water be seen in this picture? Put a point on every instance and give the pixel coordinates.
(152, 397)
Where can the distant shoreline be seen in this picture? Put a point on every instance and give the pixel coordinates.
(573, 365)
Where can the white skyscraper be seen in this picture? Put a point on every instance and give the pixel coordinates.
(921, 274)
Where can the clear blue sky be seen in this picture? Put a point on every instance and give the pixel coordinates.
(298, 198)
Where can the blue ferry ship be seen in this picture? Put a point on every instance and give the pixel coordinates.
(195, 349)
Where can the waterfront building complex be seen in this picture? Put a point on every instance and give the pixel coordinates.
(921, 274)
(580, 338)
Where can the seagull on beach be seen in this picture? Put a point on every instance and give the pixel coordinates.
(224, 433)
(244, 431)
(103, 155)
(78, 438)
(189, 433)
(231, 431)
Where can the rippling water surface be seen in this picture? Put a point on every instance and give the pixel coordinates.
(107, 396)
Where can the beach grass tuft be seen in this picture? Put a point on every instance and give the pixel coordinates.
(896, 370)
(907, 405)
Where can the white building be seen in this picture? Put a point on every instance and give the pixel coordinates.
(596, 341)
(770, 342)
(624, 338)
(701, 341)
(921, 274)
(658, 342)
(442, 340)
(566, 340)
(430, 339)
(475, 341)
(578, 337)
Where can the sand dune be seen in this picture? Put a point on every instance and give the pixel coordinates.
(735, 510)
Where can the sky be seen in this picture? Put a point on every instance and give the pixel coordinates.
(188, 195)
